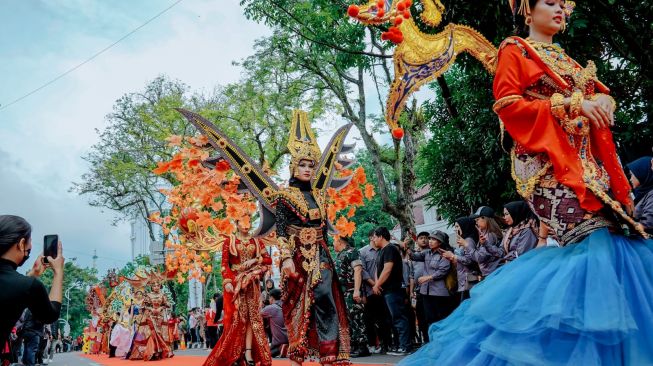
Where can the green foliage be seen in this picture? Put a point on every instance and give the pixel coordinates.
(76, 281)
(463, 161)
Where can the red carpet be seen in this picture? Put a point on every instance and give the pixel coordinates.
(182, 361)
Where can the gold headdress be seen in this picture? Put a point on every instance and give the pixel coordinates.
(302, 143)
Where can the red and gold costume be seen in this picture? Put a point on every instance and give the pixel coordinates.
(242, 306)
(567, 169)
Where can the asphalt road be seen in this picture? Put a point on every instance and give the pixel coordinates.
(73, 359)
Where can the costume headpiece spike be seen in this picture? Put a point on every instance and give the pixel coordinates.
(302, 143)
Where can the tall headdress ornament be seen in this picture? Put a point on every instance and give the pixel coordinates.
(302, 143)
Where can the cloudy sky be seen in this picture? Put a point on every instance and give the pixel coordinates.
(43, 137)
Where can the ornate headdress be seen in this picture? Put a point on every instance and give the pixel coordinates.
(302, 143)
(522, 7)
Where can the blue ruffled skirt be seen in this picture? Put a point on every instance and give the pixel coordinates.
(589, 303)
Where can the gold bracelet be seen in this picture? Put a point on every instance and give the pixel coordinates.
(558, 106)
(576, 104)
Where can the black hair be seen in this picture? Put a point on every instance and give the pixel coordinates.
(424, 233)
(369, 234)
(383, 232)
(519, 21)
(12, 230)
(275, 294)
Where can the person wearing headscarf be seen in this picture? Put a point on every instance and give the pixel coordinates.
(488, 251)
(521, 234)
(641, 177)
(467, 270)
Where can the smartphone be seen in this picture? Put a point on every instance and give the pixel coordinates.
(50, 243)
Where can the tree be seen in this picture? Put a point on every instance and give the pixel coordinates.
(75, 284)
(315, 38)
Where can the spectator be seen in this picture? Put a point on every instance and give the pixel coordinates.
(431, 283)
(389, 272)
(32, 334)
(18, 291)
(488, 252)
(466, 269)
(274, 315)
(641, 177)
(218, 298)
(192, 326)
(422, 244)
(376, 311)
(211, 326)
(520, 236)
(265, 293)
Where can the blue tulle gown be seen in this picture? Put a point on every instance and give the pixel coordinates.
(589, 303)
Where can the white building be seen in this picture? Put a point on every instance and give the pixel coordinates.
(143, 245)
(426, 218)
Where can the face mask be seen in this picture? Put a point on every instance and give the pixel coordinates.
(26, 254)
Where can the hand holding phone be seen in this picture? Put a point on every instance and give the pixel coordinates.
(50, 243)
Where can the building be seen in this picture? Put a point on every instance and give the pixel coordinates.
(142, 244)
(426, 218)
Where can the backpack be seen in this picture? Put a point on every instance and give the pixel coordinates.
(451, 281)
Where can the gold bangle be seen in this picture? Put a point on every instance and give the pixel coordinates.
(576, 104)
(558, 106)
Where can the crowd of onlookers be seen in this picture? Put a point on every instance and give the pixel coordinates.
(408, 285)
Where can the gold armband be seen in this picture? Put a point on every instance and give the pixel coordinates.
(576, 104)
(558, 107)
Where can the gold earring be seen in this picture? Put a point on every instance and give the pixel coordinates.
(529, 20)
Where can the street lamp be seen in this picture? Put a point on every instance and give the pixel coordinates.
(67, 296)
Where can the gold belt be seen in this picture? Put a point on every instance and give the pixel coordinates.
(306, 235)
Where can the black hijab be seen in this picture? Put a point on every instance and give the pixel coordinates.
(641, 168)
(468, 228)
(519, 211)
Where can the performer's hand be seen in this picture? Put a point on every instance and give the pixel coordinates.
(251, 262)
(599, 117)
(229, 288)
(288, 267)
(605, 102)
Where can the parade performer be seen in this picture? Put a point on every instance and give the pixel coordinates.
(150, 319)
(244, 262)
(313, 304)
(590, 301)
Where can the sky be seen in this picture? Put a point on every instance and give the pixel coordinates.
(44, 136)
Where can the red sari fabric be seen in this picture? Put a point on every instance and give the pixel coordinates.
(242, 307)
(532, 125)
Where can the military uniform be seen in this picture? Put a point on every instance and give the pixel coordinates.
(346, 261)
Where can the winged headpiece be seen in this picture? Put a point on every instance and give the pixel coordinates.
(302, 146)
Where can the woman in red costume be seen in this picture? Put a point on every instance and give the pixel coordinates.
(589, 302)
(244, 261)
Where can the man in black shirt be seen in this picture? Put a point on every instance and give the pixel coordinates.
(18, 291)
(389, 271)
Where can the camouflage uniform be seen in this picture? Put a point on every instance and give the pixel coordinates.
(346, 261)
